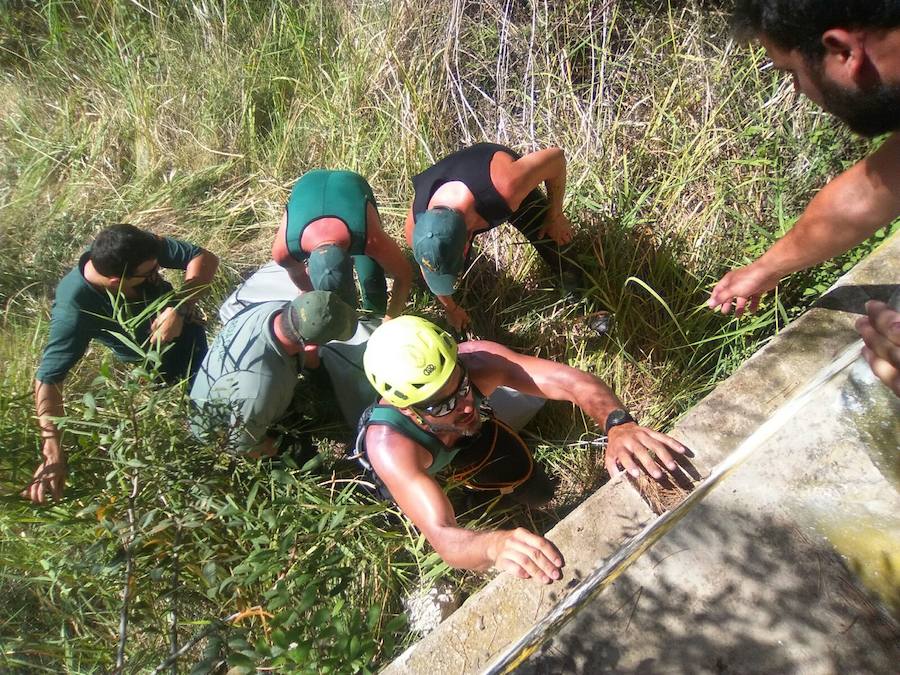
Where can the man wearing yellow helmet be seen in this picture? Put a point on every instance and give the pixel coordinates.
(432, 417)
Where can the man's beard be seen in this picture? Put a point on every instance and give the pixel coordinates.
(471, 430)
(869, 112)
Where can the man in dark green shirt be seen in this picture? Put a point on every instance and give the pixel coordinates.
(121, 267)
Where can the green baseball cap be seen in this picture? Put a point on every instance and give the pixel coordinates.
(439, 246)
(331, 269)
(318, 317)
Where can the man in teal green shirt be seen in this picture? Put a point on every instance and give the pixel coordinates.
(330, 227)
(122, 268)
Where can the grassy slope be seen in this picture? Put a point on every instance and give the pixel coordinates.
(686, 156)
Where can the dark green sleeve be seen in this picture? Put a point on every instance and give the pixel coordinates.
(176, 254)
(66, 345)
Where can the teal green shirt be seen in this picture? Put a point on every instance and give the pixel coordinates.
(246, 382)
(324, 193)
(82, 313)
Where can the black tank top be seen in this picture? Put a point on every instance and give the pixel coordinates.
(472, 167)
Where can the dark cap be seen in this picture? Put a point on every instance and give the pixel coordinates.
(439, 246)
(318, 317)
(331, 269)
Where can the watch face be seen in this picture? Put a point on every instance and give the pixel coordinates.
(617, 417)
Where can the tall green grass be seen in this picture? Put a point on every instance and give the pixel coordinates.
(687, 156)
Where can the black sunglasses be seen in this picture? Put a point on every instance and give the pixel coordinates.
(447, 405)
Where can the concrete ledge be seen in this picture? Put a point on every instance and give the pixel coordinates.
(507, 608)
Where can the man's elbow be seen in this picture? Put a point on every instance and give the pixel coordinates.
(278, 252)
(556, 157)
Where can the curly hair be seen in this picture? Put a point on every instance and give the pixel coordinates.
(799, 24)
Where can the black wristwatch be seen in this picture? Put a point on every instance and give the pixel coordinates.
(617, 417)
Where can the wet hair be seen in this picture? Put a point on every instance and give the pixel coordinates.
(799, 24)
(120, 249)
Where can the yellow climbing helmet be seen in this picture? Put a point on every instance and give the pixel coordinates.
(408, 359)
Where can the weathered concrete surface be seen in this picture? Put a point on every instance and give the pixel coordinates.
(468, 640)
(747, 582)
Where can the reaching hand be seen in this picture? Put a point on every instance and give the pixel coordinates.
(628, 442)
(167, 326)
(49, 476)
(880, 330)
(456, 317)
(742, 288)
(557, 227)
(527, 556)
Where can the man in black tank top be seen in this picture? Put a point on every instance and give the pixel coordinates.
(476, 189)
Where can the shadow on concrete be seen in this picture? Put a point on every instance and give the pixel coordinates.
(853, 298)
(725, 418)
(742, 608)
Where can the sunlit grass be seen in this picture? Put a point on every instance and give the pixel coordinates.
(686, 156)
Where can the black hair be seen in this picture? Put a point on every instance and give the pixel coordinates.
(799, 24)
(120, 249)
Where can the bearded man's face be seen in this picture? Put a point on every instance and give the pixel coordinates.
(869, 111)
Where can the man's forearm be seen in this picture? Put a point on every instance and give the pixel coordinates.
(851, 208)
(297, 272)
(198, 276)
(48, 400)
(814, 239)
(556, 185)
(466, 549)
(399, 295)
(594, 397)
(447, 301)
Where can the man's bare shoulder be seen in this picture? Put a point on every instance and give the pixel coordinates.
(390, 451)
(876, 179)
(475, 349)
(887, 158)
(491, 365)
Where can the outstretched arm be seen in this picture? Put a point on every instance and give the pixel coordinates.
(518, 552)
(847, 211)
(198, 277)
(50, 475)
(385, 251)
(630, 445)
(456, 315)
(296, 270)
(515, 180)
